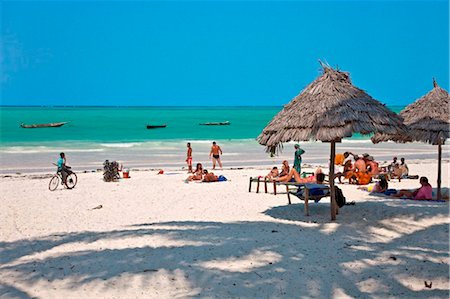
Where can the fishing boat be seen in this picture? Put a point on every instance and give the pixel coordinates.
(156, 126)
(222, 123)
(49, 125)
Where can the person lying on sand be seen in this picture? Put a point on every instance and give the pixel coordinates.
(424, 192)
(379, 187)
(198, 173)
(209, 177)
(293, 175)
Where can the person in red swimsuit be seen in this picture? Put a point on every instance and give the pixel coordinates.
(189, 157)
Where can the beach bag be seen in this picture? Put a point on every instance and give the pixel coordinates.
(221, 178)
(340, 198)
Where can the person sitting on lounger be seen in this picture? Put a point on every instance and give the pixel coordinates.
(424, 192)
(285, 169)
(198, 173)
(379, 187)
(209, 177)
(294, 176)
(320, 178)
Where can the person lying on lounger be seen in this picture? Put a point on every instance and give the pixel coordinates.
(294, 176)
(424, 192)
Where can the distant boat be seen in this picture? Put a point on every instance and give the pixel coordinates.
(223, 123)
(156, 126)
(50, 125)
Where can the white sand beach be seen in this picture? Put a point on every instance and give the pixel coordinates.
(158, 237)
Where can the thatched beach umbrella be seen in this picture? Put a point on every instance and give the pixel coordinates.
(427, 120)
(329, 109)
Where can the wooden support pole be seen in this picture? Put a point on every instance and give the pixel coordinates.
(439, 195)
(331, 177)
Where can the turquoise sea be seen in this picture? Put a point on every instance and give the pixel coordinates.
(95, 134)
(128, 124)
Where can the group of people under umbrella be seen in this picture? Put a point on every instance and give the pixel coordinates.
(332, 108)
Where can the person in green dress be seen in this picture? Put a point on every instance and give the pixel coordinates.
(298, 158)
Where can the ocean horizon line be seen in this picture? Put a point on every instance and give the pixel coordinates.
(153, 106)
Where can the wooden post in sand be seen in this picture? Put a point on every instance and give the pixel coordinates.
(439, 195)
(331, 176)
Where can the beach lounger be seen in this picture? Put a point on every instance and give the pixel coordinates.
(259, 180)
(309, 192)
(266, 181)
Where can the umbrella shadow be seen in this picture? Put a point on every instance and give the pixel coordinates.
(239, 259)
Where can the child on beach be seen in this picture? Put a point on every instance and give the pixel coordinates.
(189, 157)
(215, 153)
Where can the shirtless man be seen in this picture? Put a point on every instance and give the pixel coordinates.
(189, 157)
(215, 153)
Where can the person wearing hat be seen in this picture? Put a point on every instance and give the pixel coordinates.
(298, 158)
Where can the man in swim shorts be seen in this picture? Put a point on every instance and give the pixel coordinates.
(189, 157)
(215, 153)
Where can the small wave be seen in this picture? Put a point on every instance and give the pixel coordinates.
(120, 145)
(43, 149)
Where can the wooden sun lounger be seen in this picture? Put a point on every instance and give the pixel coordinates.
(307, 196)
(264, 180)
(259, 180)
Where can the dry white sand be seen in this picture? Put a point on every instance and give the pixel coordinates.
(158, 237)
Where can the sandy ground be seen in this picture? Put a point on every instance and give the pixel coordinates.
(158, 237)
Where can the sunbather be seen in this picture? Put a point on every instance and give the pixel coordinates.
(209, 177)
(285, 169)
(273, 173)
(293, 175)
(424, 192)
(198, 173)
(379, 187)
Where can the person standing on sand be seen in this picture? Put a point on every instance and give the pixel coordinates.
(298, 158)
(215, 152)
(189, 157)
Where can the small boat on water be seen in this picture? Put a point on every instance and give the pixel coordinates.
(222, 123)
(50, 125)
(156, 126)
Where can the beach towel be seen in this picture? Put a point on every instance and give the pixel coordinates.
(221, 178)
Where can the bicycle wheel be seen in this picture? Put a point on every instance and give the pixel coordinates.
(71, 180)
(54, 181)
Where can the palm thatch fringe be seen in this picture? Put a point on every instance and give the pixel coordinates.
(427, 119)
(329, 109)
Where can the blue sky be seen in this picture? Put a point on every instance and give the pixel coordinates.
(216, 53)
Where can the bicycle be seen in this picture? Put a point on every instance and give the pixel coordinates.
(70, 183)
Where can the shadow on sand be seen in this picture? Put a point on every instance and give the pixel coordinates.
(244, 259)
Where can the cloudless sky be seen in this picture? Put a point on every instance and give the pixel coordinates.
(216, 53)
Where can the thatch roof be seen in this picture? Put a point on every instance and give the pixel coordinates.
(329, 109)
(427, 119)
